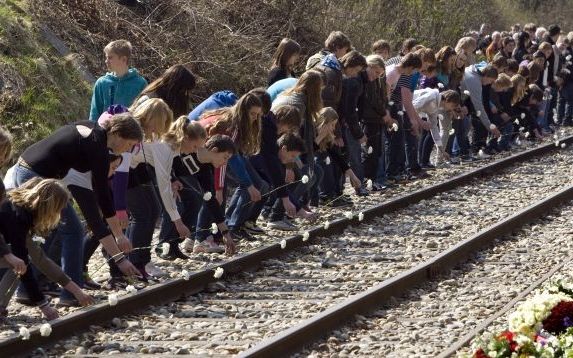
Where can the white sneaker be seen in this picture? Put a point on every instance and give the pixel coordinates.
(154, 271)
(208, 246)
(283, 225)
(188, 244)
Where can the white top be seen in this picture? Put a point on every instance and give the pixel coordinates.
(427, 101)
(160, 156)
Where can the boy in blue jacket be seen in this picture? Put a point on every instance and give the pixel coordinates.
(121, 85)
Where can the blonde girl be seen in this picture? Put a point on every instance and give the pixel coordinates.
(32, 209)
(325, 126)
(150, 178)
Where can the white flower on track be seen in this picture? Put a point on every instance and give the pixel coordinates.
(283, 244)
(45, 330)
(24, 333)
(360, 216)
(348, 214)
(305, 236)
(112, 299)
(219, 272)
(185, 275)
(130, 289)
(369, 184)
(165, 248)
(326, 225)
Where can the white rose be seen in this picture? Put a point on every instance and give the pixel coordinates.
(45, 330)
(218, 272)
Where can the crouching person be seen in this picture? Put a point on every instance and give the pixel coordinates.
(32, 209)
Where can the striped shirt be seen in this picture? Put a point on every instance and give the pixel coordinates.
(393, 61)
(396, 95)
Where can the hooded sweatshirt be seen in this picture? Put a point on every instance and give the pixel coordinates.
(215, 101)
(110, 89)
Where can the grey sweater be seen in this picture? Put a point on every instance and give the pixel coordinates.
(472, 83)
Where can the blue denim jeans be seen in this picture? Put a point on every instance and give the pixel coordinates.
(241, 209)
(354, 150)
(461, 144)
(504, 142)
(565, 104)
(328, 186)
(70, 232)
(144, 209)
(188, 207)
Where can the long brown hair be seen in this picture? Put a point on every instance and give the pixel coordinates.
(442, 57)
(236, 122)
(309, 84)
(326, 116)
(286, 49)
(173, 86)
(519, 84)
(44, 198)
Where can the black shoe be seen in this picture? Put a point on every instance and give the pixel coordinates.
(116, 283)
(174, 253)
(24, 299)
(89, 283)
(252, 228)
(334, 202)
(361, 191)
(51, 289)
(241, 234)
(428, 166)
(421, 174)
(68, 302)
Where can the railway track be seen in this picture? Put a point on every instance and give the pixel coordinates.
(441, 317)
(235, 315)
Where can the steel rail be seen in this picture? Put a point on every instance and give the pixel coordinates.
(174, 289)
(308, 331)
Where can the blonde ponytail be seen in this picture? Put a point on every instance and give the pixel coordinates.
(182, 128)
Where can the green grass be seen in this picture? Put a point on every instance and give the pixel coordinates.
(53, 93)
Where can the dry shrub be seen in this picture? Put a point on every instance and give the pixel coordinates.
(229, 43)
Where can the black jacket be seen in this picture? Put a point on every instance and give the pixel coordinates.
(352, 89)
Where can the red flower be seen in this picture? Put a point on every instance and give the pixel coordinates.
(480, 354)
(508, 335)
(560, 318)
